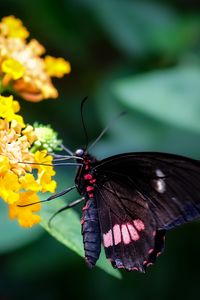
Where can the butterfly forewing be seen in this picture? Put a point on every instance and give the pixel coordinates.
(170, 184)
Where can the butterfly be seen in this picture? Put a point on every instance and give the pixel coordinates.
(131, 201)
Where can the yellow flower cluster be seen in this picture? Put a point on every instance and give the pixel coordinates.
(18, 185)
(23, 66)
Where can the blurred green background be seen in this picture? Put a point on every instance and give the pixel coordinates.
(142, 57)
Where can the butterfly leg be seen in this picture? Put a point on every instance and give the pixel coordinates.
(51, 197)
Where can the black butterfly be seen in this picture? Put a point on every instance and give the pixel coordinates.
(131, 200)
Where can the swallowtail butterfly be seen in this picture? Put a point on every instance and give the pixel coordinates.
(131, 200)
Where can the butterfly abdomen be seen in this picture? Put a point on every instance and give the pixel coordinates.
(91, 232)
(85, 181)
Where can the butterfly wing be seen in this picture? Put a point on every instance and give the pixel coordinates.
(128, 229)
(140, 196)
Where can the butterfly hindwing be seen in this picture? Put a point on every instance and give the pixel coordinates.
(128, 230)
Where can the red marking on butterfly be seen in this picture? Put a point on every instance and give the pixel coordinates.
(150, 251)
(117, 234)
(119, 189)
(149, 264)
(139, 224)
(85, 207)
(108, 239)
(125, 233)
(133, 232)
(92, 180)
(89, 188)
(87, 176)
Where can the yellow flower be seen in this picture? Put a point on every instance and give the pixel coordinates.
(15, 146)
(56, 66)
(45, 172)
(18, 183)
(9, 187)
(4, 165)
(24, 69)
(13, 27)
(30, 133)
(12, 68)
(45, 181)
(23, 66)
(8, 107)
(28, 182)
(25, 215)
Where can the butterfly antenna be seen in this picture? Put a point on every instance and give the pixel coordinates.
(83, 123)
(84, 129)
(106, 129)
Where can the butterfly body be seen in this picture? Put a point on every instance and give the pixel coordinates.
(131, 200)
(85, 182)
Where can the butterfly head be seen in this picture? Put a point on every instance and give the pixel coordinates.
(80, 152)
(86, 158)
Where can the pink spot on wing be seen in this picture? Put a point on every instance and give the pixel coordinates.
(133, 233)
(117, 234)
(125, 234)
(87, 176)
(108, 239)
(138, 224)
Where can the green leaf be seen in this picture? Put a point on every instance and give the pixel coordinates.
(172, 96)
(12, 235)
(66, 228)
(139, 27)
